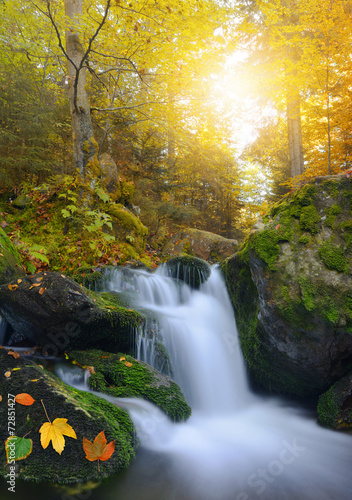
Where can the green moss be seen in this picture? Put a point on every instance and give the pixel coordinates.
(334, 406)
(112, 376)
(333, 187)
(308, 292)
(331, 214)
(10, 260)
(304, 239)
(333, 257)
(86, 413)
(265, 244)
(309, 219)
(328, 408)
(306, 195)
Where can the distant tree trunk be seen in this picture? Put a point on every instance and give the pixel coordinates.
(85, 147)
(295, 136)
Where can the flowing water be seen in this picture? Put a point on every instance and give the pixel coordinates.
(236, 445)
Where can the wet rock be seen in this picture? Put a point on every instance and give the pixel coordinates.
(53, 311)
(291, 288)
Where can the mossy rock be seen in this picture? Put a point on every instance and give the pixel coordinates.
(126, 226)
(86, 413)
(335, 405)
(54, 312)
(189, 269)
(10, 260)
(291, 287)
(123, 376)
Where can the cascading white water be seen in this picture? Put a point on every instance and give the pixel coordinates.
(236, 445)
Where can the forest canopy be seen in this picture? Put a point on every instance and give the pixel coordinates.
(210, 109)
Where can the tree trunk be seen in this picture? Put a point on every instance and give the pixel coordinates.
(295, 136)
(85, 146)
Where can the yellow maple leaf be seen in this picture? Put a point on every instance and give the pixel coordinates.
(55, 433)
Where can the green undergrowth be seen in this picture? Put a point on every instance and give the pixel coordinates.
(63, 225)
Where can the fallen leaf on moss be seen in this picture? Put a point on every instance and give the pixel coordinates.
(41, 291)
(98, 449)
(128, 364)
(14, 354)
(55, 433)
(23, 447)
(8, 374)
(24, 399)
(122, 358)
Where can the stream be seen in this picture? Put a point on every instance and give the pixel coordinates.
(237, 445)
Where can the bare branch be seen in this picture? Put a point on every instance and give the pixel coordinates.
(121, 59)
(49, 15)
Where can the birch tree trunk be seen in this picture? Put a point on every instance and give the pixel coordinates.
(85, 146)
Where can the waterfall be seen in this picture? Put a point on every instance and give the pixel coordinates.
(236, 445)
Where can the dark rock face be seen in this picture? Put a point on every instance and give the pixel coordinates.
(86, 413)
(54, 312)
(335, 405)
(291, 288)
(203, 244)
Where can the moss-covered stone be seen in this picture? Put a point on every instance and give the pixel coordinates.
(87, 414)
(123, 376)
(191, 270)
(335, 405)
(56, 313)
(293, 271)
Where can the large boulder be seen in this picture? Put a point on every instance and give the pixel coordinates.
(202, 244)
(52, 311)
(10, 260)
(86, 413)
(291, 288)
(122, 376)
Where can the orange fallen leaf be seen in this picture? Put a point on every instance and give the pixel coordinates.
(8, 374)
(19, 281)
(9, 286)
(38, 279)
(98, 449)
(90, 369)
(14, 354)
(41, 291)
(277, 227)
(128, 364)
(122, 358)
(0, 398)
(24, 399)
